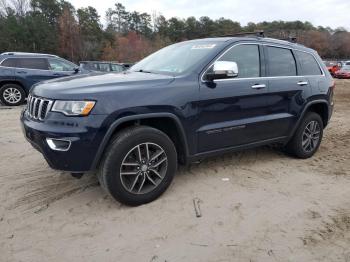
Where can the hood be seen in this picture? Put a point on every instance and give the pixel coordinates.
(88, 85)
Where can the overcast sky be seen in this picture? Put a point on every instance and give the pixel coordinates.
(333, 13)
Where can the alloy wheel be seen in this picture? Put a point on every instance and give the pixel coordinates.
(311, 136)
(12, 95)
(143, 168)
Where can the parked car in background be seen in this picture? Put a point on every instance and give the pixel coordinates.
(20, 71)
(183, 103)
(343, 73)
(332, 67)
(101, 66)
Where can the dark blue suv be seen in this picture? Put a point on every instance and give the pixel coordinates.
(188, 101)
(19, 71)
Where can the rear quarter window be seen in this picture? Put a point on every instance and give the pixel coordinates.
(308, 63)
(9, 62)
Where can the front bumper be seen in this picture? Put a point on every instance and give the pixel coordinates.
(84, 133)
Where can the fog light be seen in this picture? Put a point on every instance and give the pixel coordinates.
(58, 144)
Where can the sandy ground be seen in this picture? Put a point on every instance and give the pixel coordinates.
(257, 205)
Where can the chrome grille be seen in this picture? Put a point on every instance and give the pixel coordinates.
(38, 107)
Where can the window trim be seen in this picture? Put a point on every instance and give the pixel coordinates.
(264, 61)
(32, 68)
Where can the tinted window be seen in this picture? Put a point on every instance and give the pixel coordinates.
(308, 64)
(60, 65)
(117, 68)
(9, 62)
(281, 62)
(33, 63)
(105, 68)
(247, 58)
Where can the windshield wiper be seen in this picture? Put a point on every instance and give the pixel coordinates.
(144, 71)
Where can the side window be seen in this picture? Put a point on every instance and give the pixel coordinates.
(104, 68)
(9, 62)
(116, 68)
(247, 58)
(60, 65)
(33, 63)
(281, 62)
(309, 66)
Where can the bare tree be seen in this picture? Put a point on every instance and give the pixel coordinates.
(19, 7)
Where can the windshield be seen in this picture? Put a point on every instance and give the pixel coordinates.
(176, 59)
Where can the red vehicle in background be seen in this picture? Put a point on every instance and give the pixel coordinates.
(344, 72)
(332, 67)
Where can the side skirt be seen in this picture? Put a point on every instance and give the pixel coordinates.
(203, 155)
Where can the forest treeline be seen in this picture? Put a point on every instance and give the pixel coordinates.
(57, 27)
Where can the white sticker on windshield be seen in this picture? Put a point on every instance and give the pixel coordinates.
(207, 46)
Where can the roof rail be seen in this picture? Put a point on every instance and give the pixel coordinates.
(259, 33)
(25, 53)
(291, 39)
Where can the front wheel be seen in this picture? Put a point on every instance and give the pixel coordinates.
(307, 137)
(138, 166)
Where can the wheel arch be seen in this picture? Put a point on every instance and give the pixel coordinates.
(12, 81)
(320, 106)
(168, 123)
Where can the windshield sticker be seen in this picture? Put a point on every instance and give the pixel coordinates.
(207, 46)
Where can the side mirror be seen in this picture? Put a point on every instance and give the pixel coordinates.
(76, 70)
(223, 70)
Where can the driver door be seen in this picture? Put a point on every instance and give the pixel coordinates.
(232, 111)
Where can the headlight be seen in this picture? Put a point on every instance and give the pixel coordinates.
(73, 108)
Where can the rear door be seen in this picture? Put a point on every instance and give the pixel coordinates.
(287, 90)
(232, 111)
(31, 70)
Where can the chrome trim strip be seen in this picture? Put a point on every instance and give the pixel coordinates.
(40, 108)
(261, 77)
(51, 144)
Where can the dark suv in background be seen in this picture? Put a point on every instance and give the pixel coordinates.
(20, 71)
(187, 101)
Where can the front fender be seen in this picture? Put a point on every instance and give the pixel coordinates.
(122, 120)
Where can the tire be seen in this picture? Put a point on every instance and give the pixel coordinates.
(122, 173)
(298, 145)
(12, 95)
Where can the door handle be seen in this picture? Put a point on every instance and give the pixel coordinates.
(21, 72)
(258, 86)
(302, 83)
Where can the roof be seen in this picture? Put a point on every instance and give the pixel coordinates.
(24, 54)
(231, 39)
(102, 62)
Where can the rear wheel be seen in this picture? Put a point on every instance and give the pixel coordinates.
(138, 166)
(12, 95)
(307, 137)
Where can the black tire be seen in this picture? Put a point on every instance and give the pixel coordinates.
(13, 88)
(121, 150)
(295, 145)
